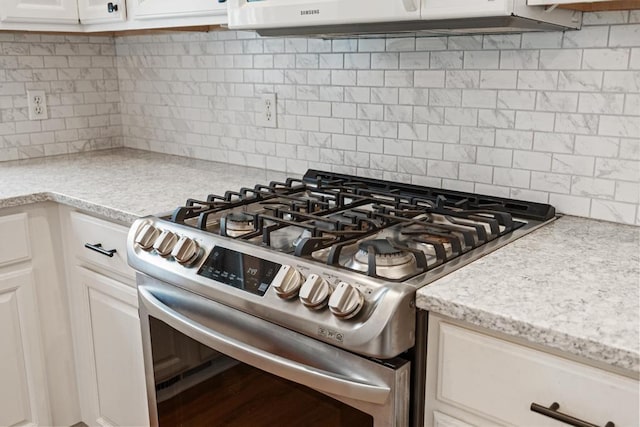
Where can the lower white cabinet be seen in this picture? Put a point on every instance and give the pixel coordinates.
(37, 383)
(108, 351)
(474, 379)
(23, 389)
(107, 339)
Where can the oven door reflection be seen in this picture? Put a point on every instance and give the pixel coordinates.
(197, 386)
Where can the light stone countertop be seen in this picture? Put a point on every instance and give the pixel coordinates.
(572, 285)
(122, 184)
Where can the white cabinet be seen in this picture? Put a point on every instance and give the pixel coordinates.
(102, 11)
(23, 390)
(39, 11)
(552, 2)
(37, 385)
(477, 379)
(109, 351)
(106, 327)
(162, 9)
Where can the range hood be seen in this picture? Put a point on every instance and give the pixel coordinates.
(347, 18)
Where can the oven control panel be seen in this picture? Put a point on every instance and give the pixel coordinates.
(315, 299)
(242, 271)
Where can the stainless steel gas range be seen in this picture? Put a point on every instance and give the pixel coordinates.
(292, 303)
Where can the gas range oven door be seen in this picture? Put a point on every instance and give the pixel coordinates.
(209, 365)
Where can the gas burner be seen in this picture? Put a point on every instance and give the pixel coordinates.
(386, 255)
(379, 257)
(236, 224)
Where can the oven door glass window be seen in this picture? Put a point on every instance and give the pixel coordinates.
(197, 386)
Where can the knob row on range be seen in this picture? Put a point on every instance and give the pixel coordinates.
(168, 244)
(345, 301)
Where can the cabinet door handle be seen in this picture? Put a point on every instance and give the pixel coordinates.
(552, 412)
(112, 7)
(98, 248)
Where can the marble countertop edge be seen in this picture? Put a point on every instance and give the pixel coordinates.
(587, 349)
(111, 213)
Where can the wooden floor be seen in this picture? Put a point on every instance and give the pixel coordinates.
(246, 397)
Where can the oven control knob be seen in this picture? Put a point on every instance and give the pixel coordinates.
(345, 301)
(287, 282)
(186, 251)
(165, 243)
(146, 236)
(315, 292)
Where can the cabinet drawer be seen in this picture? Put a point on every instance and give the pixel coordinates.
(86, 229)
(14, 230)
(499, 380)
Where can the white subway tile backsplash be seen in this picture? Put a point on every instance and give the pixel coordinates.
(479, 98)
(557, 101)
(622, 81)
(462, 79)
(494, 156)
(496, 118)
(549, 117)
(624, 35)
(571, 205)
(618, 169)
(623, 126)
(498, 79)
(584, 81)
(553, 142)
(605, 59)
(530, 120)
(627, 192)
(601, 103)
(446, 59)
(511, 177)
(592, 187)
(551, 182)
(576, 123)
(613, 211)
(481, 59)
(430, 78)
(519, 59)
(630, 148)
(531, 160)
(587, 37)
(560, 59)
(540, 80)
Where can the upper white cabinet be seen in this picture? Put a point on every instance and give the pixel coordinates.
(39, 11)
(102, 11)
(171, 9)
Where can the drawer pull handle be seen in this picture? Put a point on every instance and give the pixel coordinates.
(552, 412)
(98, 248)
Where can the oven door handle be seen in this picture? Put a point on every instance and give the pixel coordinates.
(310, 376)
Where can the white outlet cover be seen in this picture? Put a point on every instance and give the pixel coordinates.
(267, 114)
(37, 104)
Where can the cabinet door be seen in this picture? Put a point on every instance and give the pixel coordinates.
(23, 395)
(158, 9)
(102, 11)
(109, 346)
(39, 11)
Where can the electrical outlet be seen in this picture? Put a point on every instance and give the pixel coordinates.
(37, 103)
(267, 113)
